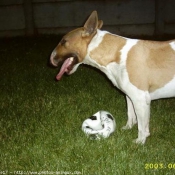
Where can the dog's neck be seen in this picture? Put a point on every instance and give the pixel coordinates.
(105, 48)
(96, 40)
(96, 58)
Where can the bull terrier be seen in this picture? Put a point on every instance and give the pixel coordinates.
(143, 70)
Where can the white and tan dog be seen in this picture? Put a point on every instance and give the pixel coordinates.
(143, 70)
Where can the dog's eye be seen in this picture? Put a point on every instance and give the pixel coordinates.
(63, 41)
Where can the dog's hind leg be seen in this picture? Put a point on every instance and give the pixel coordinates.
(132, 119)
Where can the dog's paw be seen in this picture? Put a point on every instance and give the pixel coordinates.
(139, 141)
(126, 127)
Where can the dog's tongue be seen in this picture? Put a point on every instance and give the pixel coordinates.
(64, 67)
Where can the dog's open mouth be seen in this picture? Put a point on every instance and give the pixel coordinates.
(66, 67)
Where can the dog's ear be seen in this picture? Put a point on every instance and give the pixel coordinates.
(100, 24)
(91, 24)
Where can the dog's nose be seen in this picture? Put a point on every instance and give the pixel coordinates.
(52, 58)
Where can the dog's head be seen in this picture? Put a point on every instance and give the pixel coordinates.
(72, 49)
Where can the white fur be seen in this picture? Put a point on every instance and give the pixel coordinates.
(172, 44)
(74, 68)
(164, 92)
(97, 39)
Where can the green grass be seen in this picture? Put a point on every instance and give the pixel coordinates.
(40, 119)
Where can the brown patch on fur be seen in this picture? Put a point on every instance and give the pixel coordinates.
(108, 50)
(151, 64)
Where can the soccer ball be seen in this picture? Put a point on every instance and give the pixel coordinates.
(100, 124)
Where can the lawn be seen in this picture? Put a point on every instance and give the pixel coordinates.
(40, 119)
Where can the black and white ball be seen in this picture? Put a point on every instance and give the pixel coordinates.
(100, 124)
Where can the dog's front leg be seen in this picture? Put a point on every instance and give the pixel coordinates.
(142, 109)
(132, 120)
